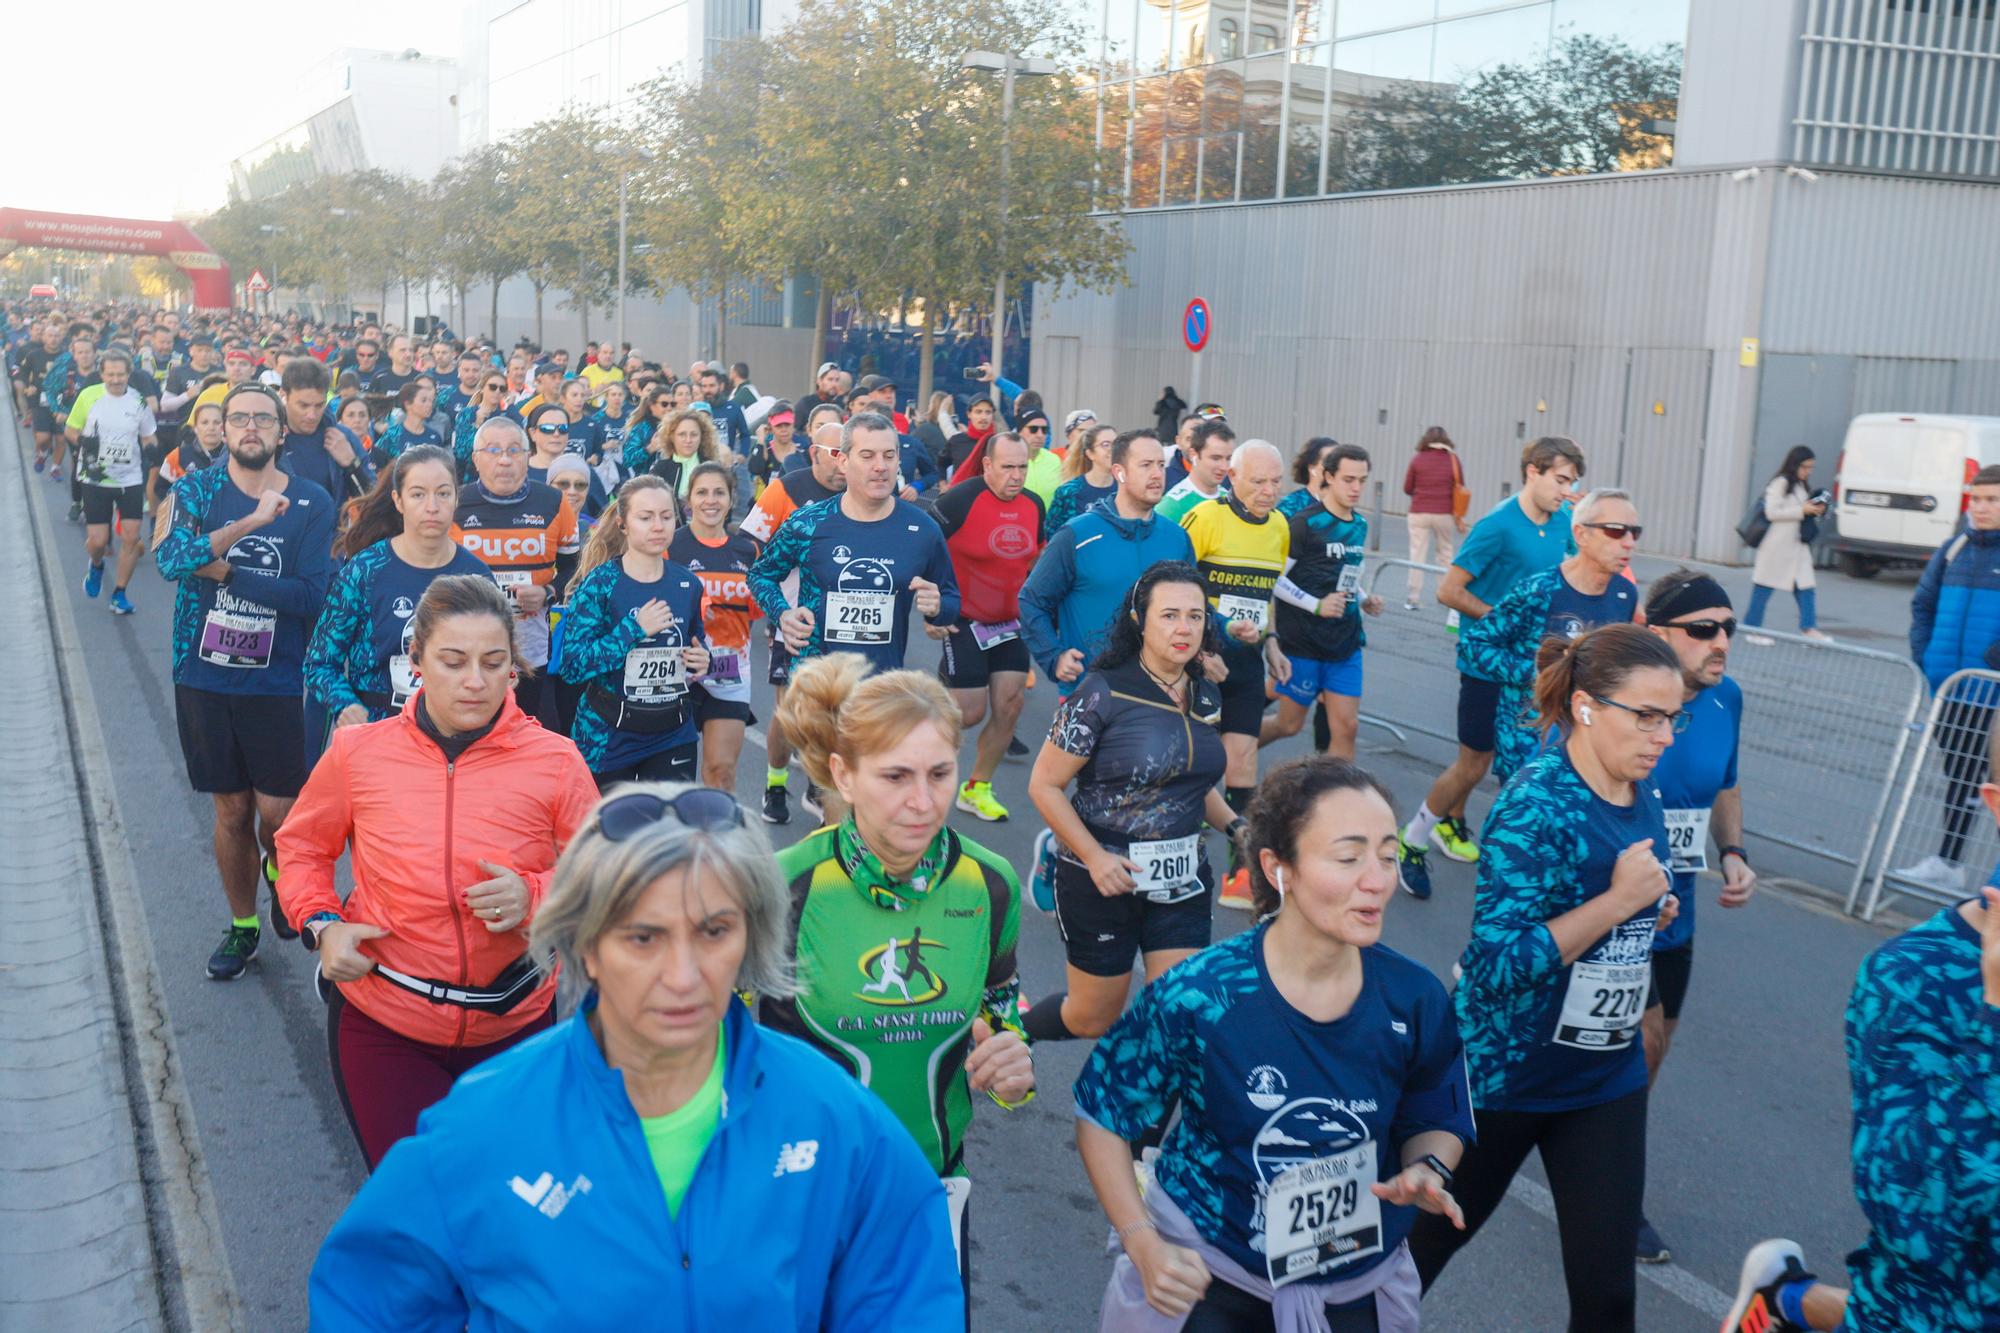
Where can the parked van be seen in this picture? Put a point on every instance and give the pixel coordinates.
(1900, 486)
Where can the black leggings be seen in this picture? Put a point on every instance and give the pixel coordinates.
(1595, 1159)
(1227, 1309)
(1960, 738)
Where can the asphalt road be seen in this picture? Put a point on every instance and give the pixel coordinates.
(1749, 1122)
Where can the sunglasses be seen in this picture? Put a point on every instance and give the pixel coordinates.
(1618, 532)
(1703, 630)
(703, 808)
(545, 429)
(1034, 430)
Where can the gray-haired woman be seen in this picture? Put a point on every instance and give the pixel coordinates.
(668, 1154)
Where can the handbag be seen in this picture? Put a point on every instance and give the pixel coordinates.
(1461, 494)
(1755, 525)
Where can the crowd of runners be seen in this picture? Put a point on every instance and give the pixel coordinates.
(486, 622)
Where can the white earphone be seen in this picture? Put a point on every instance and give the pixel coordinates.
(1281, 883)
(1584, 713)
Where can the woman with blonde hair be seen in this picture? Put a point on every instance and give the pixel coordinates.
(687, 439)
(633, 639)
(929, 918)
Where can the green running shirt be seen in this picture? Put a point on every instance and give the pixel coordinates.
(890, 982)
(677, 1139)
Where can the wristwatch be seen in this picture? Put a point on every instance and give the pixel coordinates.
(1430, 1160)
(310, 928)
(1732, 849)
(1237, 827)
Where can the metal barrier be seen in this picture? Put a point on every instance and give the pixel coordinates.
(1939, 819)
(1826, 726)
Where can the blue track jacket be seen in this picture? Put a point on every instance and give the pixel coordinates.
(1082, 576)
(527, 1200)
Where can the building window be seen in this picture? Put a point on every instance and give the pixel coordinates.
(1228, 40)
(1263, 38)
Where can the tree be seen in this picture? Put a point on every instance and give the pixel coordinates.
(563, 223)
(475, 194)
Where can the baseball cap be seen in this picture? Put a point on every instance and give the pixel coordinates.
(825, 366)
(870, 383)
(1078, 418)
(1209, 412)
(546, 367)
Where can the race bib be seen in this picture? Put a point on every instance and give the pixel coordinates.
(957, 1191)
(1321, 1214)
(1257, 610)
(402, 680)
(1168, 868)
(235, 639)
(654, 675)
(724, 665)
(992, 636)
(859, 617)
(1602, 1006)
(1350, 580)
(1687, 840)
(511, 581)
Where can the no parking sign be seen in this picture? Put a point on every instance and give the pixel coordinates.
(1194, 325)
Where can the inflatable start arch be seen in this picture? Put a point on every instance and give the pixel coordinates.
(124, 236)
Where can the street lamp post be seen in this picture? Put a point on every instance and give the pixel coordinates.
(624, 180)
(1007, 65)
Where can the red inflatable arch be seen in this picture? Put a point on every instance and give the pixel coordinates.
(124, 236)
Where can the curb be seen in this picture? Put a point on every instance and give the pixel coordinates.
(197, 1287)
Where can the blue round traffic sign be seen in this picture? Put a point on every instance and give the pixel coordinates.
(1194, 325)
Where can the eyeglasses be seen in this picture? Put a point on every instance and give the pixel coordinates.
(261, 420)
(1649, 719)
(703, 808)
(1703, 630)
(510, 451)
(1618, 532)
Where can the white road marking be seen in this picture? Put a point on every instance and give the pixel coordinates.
(1670, 1278)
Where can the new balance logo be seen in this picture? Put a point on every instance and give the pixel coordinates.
(545, 1196)
(796, 1157)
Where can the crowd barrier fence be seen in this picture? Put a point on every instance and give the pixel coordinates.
(1939, 808)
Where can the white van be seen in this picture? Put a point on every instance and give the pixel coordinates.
(1900, 485)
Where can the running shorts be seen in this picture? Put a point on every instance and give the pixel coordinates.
(1478, 702)
(1243, 698)
(1312, 677)
(1671, 969)
(1101, 934)
(708, 708)
(100, 501)
(964, 665)
(242, 742)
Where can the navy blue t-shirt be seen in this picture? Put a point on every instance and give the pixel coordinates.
(1698, 766)
(602, 646)
(1285, 1121)
(1572, 612)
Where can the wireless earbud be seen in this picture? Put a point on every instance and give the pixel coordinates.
(1281, 883)
(1584, 713)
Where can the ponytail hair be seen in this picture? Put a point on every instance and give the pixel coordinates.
(607, 539)
(833, 706)
(373, 517)
(1596, 662)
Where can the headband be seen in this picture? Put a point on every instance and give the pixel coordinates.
(1697, 594)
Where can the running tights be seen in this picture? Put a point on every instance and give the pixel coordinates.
(386, 1080)
(1961, 739)
(1595, 1159)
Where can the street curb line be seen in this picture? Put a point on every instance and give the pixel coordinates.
(197, 1287)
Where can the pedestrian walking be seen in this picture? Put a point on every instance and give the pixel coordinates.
(1433, 481)
(1167, 412)
(1784, 557)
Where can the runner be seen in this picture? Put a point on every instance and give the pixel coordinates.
(654, 406)
(517, 527)
(994, 529)
(1045, 466)
(111, 427)
(1208, 472)
(610, 423)
(1138, 738)
(1571, 888)
(633, 638)
(1241, 549)
(327, 455)
(1696, 780)
(865, 560)
(359, 665)
(490, 401)
(822, 478)
(1320, 604)
(453, 813)
(201, 446)
(250, 546)
(772, 1193)
(721, 560)
(1320, 1084)
(68, 377)
(1520, 536)
(1309, 472)
(688, 439)
(182, 386)
(550, 443)
(1586, 590)
(1925, 1065)
(1087, 570)
(417, 425)
(928, 918)
(1086, 474)
(30, 376)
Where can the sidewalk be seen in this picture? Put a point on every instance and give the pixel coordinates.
(76, 1246)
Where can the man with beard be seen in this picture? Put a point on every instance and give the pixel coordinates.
(1696, 779)
(251, 547)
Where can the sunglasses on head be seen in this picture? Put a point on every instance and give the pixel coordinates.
(1703, 629)
(703, 808)
(1618, 531)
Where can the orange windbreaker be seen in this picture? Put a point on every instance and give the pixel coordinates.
(419, 829)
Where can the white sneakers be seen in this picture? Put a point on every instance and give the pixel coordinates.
(1933, 872)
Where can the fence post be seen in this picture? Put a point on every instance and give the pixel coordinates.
(1375, 521)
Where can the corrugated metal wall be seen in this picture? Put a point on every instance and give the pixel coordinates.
(1609, 309)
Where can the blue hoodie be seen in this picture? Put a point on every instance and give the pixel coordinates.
(1082, 577)
(1955, 615)
(527, 1199)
